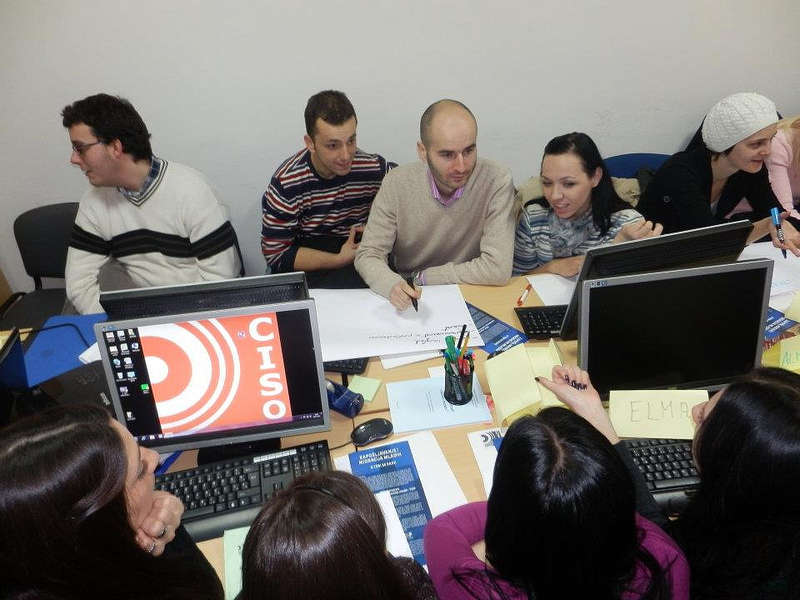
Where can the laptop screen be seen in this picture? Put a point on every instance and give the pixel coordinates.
(691, 328)
(216, 377)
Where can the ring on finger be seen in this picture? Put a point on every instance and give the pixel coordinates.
(163, 532)
(152, 547)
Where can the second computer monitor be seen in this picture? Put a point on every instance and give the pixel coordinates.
(692, 328)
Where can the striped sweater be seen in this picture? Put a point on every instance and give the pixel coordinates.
(177, 233)
(541, 236)
(300, 204)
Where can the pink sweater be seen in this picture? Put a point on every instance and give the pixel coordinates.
(784, 176)
(448, 550)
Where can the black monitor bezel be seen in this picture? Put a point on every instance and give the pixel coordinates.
(711, 384)
(569, 326)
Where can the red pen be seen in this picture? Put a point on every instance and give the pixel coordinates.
(524, 295)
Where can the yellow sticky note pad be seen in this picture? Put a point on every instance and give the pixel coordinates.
(654, 413)
(366, 386)
(772, 357)
(793, 312)
(790, 353)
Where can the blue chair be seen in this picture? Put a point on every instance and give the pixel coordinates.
(626, 165)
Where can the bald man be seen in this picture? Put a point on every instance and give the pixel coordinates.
(448, 218)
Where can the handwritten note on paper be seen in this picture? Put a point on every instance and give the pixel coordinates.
(354, 323)
(790, 353)
(654, 413)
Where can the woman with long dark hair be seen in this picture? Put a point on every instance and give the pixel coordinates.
(741, 529)
(579, 211)
(79, 517)
(325, 537)
(560, 522)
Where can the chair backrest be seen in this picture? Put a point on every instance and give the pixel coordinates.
(43, 235)
(626, 165)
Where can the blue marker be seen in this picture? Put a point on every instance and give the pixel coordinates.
(776, 220)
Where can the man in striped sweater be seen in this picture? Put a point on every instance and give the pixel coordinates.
(160, 221)
(318, 200)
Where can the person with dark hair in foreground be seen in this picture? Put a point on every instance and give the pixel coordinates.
(741, 529)
(79, 517)
(324, 537)
(560, 522)
(318, 200)
(580, 210)
(160, 221)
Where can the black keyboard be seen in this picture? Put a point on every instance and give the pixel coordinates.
(541, 322)
(229, 493)
(668, 469)
(351, 366)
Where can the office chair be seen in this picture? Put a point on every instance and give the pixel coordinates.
(628, 165)
(42, 235)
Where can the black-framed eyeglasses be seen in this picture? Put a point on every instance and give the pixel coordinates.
(81, 148)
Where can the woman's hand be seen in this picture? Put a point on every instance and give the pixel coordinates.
(158, 527)
(566, 267)
(638, 230)
(573, 387)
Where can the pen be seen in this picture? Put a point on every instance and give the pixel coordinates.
(523, 295)
(464, 347)
(776, 220)
(461, 337)
(414, 303)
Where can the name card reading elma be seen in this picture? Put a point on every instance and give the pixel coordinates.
(654, 413)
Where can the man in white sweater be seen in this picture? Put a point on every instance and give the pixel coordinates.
(447, 219)
(159, 220)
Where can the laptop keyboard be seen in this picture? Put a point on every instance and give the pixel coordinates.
(541, 322)
(229, 493)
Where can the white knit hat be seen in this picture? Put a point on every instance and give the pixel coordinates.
(735, 118)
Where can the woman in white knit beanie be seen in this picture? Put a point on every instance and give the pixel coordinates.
(724, 178)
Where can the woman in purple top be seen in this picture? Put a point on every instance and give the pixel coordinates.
(741, 528)
(560, 522)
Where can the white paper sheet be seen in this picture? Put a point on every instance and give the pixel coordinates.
(438, 481)
(398, 360)
(354, 323)
(419, 404)
(785, 273)
(396, 542)
(482, 444)
(552, 289)
(91, 354)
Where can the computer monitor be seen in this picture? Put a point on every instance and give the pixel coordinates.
(228, 376)
(686, 329)
(696, 247)
(204, 295)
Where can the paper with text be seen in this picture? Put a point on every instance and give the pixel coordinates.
(654, 413)
(355, 323)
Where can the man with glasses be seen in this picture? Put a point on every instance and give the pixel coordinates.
(318, 200)
(160, 221)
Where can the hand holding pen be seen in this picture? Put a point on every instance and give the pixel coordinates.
(402, 294)
(776, 220)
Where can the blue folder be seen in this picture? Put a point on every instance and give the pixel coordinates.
(55, 351)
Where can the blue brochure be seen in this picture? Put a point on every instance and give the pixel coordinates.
(392, 468)
(497, 335)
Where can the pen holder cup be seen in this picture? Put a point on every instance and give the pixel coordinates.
(458, 388)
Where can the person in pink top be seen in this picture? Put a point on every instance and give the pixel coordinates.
(783, 165)
(561, 522)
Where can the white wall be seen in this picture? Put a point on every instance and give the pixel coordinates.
(222, 85)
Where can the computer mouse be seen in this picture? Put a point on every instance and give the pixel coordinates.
(371, 431)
